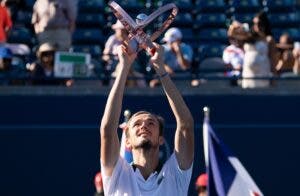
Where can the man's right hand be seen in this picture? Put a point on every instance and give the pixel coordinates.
(124, 57)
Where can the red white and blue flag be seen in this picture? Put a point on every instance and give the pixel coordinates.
(226, 174)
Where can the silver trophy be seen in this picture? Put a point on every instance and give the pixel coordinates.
(137, 38)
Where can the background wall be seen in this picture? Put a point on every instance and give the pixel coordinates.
(49, 145)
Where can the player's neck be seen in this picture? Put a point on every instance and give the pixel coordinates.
(146, 161)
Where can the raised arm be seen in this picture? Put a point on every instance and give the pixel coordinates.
(184, 136)
(110, 145)
(184, 63)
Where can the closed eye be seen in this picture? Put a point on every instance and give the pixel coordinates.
(136, 124)
(151, 123)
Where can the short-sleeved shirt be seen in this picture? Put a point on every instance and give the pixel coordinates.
(5, 23)
(234, 56)
(170, 56)
(126, 180)
(111, 45)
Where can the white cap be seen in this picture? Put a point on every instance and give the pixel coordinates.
(172, 35)
(45, 47)
(117, 25)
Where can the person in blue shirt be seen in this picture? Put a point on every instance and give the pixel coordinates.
(9, 74)
(178, 55)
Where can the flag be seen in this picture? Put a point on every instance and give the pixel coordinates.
(226, 174)
(124, 151)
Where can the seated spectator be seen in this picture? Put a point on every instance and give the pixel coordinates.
(233, 56)
(5, 58)
(42, 71)
(286, 59)
(201, 185)
(98, 185)
(8, 73)
(5, 22)
(296, 54)
(110, 58)
(178, 55)
(110, 55)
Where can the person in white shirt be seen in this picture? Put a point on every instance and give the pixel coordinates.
(144, 135)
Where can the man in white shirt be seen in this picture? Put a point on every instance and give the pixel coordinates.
(144, 135)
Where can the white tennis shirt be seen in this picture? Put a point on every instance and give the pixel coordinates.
(125, 181)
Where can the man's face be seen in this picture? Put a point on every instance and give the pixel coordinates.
(143, 132)
(256, 27)
(47, 57)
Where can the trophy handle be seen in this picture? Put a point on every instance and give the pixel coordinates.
(121, 15)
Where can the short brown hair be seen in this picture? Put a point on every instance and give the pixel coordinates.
(161, 122)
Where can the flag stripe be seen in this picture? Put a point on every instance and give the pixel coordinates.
(226, 174)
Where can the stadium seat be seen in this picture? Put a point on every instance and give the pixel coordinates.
(242, 6)
(211, 50)
(188, 35)
(24, 18)
(210, 6)
(29, 4)
(90, 20)
(285, 20)
(279, 5)
(21, 35)
(90, 6)
(133, 6)
(210, 35)
(183, 20)
(94, 50)
(293, 32)
(88, 36)
(183, 5)
(211, 20)
(209, 58)
(213, 66)
(243, 17)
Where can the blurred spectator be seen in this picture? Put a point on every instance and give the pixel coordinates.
(5, 22)
(178, 55)
(286, 59)
(296, 54)
(260, 52)
(110, 55)
(201, 184)
(262, 29)
(98, 185)
(233, 55)
(110, 58)
(42, 71)
(54, 22)
(8, 73)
